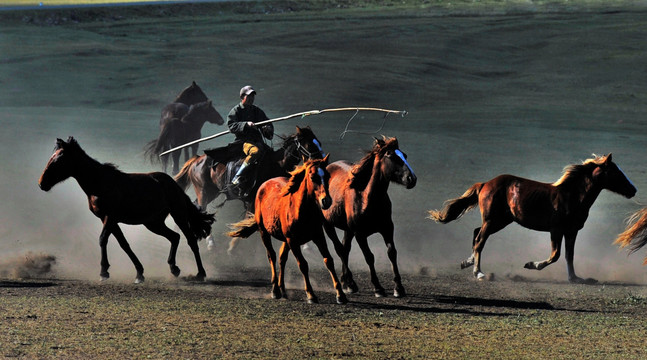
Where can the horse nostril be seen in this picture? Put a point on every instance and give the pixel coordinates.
(326, 202)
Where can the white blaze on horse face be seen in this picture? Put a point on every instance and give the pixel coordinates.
(322, 176)
(401, 156)
(626, 177)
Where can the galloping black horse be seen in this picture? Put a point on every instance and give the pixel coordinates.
(116, 197)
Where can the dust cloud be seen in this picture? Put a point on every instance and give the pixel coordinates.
(28, 266)
(486, 95)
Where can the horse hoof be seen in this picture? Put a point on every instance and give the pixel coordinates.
(313, 300)
(399, 292)
(276, 295)
(480, 276)
(341, 300)
(105, 276)
(380, 293)
(530, 265)
(175, 271)
(139, 279)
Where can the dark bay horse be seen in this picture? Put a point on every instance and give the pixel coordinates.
(560, 208)
(635, 235)
(182, 125)
(290, 211)
(362, 207)
(116, 197)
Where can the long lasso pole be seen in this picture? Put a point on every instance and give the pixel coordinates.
(301, 114)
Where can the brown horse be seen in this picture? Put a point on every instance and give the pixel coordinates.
(361, 207)
(560, 208)
(116, 197)
(290, 211)
(182, 125)
(635, 235)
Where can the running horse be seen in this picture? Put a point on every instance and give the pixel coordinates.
(560, 208)
(116, 197)
(180, 127)
(635, 235)
(289, 209)
(362, 207)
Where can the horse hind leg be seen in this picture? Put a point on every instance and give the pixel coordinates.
(284, 253)
(362, 241)
(271, 257)
(488, 228)
(161, 229)
(343, 251)
(470, 260)
(121, 239)
(303, 266)
(320, 241)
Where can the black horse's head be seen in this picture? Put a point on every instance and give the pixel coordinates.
(60, 165)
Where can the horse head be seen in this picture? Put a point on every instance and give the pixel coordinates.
(192, 94)
(316, 178)
(204, 111)
(60, 164)
(302, 144)
(391, 162)
(612, 178)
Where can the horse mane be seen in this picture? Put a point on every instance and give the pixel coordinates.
(577, 171)
(296, 177)
(77, 149)
(361, 172)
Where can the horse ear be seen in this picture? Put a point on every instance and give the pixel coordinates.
(59, 143)
(193, 83)
(608, 159)
(298, 130)
(325, 159)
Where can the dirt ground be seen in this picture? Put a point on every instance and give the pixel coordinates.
(523, 90)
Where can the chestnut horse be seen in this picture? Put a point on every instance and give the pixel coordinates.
(560, 208)
(182, 125)
(116, 197)
(290, 211)
(635, 235)
(361, 207)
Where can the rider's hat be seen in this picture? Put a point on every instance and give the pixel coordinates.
(246, 90)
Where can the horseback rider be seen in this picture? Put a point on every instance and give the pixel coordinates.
(242, 121)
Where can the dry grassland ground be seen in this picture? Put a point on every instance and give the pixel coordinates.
(491, 87)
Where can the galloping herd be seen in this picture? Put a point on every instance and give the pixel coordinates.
(297, 202)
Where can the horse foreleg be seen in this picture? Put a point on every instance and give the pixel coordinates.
(103, 244)
(556, 245)
(362, 241)
(320, 241)
(284, 253)
(303, 266)
(271, 257)
(569, 246)
(116, 231)
(392, 253)
(161, 229)
(343, 251)
(470, 260)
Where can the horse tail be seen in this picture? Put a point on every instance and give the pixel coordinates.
(183, 178)
(635, 236)
(199, 220)
(244, 228)
(455, 208)
(183, 210)
(155, 147)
